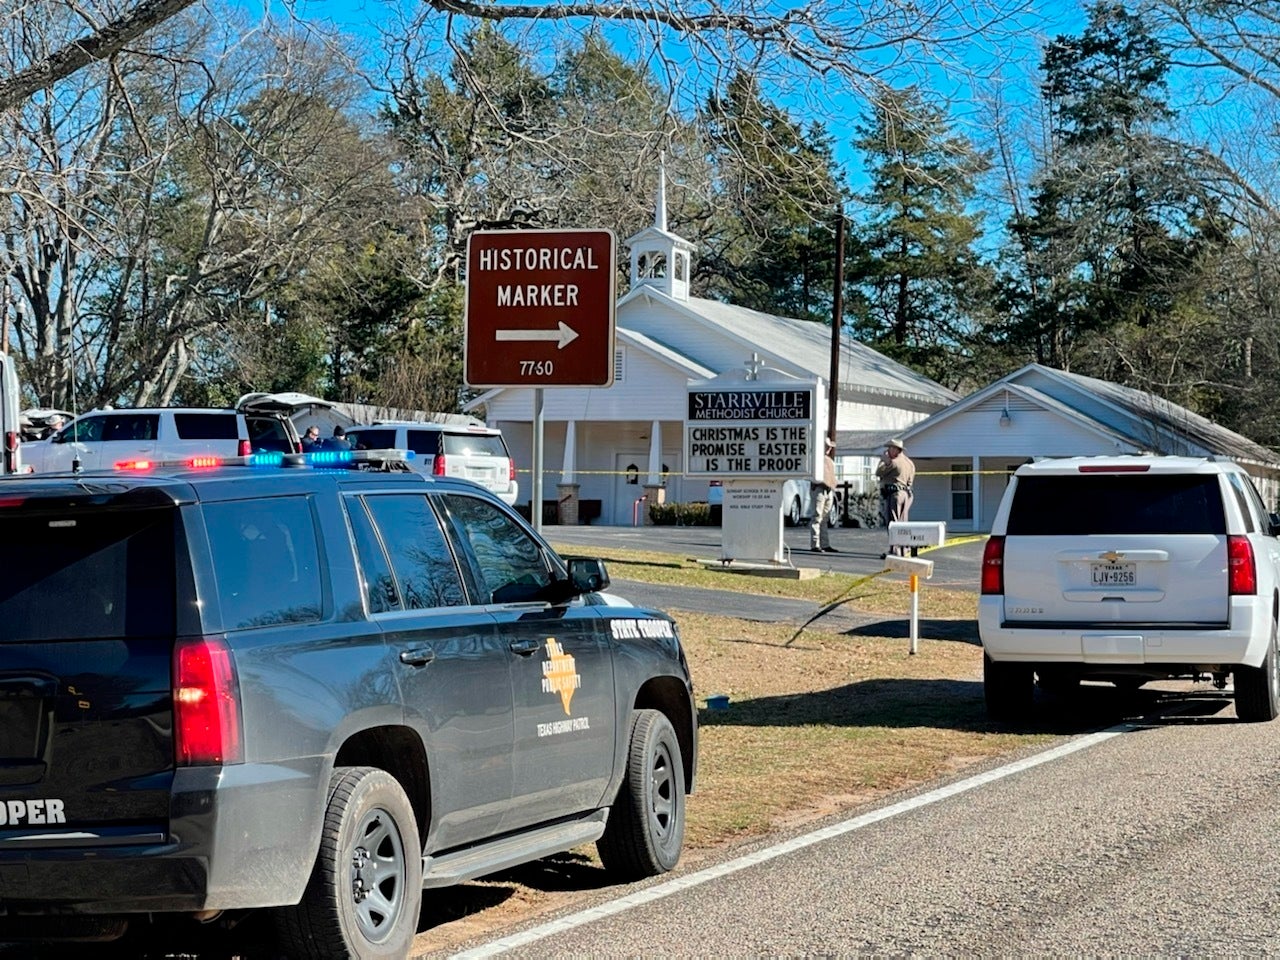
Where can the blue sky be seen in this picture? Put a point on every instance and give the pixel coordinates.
(966, 75)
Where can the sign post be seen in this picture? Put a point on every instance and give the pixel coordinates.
(912, 535)
(540, 312)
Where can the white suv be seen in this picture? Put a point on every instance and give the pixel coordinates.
(1130, 569)
(469, 451)
(103, 439)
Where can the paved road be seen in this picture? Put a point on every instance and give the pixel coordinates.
(1155, 839)
(955, 566)
(766, 609)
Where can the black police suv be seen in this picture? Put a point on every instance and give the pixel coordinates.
(302, 695)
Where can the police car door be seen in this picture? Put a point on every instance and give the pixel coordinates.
(561, 671)
(81, 440)
(454, 677)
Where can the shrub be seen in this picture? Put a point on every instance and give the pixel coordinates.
(864, 509)
(680, 514)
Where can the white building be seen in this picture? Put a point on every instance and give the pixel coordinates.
(608, 444)
(965, 453)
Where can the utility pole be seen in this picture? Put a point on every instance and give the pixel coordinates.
(837, 318)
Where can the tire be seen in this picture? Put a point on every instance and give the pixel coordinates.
(793, 513)
(646, 822)
(1062, 683)
(1258, 688)
(1008, 689)
(346, 911)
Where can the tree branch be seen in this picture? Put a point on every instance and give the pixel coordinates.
(101, 44)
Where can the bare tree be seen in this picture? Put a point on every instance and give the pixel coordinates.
(158, 197)
(818, 39)
(108, 33)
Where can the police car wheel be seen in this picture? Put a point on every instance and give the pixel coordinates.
(646, 822)
(365, 890)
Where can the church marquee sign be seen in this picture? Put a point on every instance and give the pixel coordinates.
(751, 428)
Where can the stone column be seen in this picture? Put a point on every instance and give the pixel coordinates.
(567, 497)
(654, 493)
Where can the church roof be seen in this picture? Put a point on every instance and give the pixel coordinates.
(806, 345)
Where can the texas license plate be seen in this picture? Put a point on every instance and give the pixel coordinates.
(1114, 574)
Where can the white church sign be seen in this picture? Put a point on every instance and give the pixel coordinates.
(753, 428)
(753, 431)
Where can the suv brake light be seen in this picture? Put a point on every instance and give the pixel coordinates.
(993, 566)
(206, 704)
(1242, 573)
(437, 466)
(511, 473)
(245, 448)
(1116, 468)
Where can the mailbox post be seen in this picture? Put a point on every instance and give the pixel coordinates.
(914, 535)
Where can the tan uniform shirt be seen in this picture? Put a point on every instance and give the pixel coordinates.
(899, 470)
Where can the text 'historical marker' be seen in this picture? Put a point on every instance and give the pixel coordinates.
(540, 308)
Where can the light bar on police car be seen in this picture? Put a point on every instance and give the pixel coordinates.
(318, 458)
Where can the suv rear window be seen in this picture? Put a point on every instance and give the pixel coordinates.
(1116, 504)
(206, 426)
(88, 576)
(475, 444)
(425, 443)
(372, 439)
(267, 561)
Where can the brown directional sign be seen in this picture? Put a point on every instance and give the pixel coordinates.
(540, 308)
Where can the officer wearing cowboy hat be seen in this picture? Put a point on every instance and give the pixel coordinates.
(895, 473)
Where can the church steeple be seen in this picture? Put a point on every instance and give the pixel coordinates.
(659, 258)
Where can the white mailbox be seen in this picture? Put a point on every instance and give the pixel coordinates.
(915, 566)
(923, 533)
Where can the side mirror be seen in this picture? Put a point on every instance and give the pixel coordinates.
(587, 574)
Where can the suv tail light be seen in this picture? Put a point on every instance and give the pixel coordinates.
(993, 566)
(206, 704)
(437, 466)
(511, 473)
(1242, 574)
(11, 442)
(245, 448)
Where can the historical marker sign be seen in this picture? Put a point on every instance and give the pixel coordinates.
(540, 307)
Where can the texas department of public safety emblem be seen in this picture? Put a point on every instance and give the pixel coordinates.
(560, 674)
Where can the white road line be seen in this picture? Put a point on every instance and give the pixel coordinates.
(677, 884)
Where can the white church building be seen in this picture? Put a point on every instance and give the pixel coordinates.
(607, 447)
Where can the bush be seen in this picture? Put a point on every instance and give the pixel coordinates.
(864, 510)
(681, 514)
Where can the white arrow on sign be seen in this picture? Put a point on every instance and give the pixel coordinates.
(565, 335)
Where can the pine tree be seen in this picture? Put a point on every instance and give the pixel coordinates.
(920, 274)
